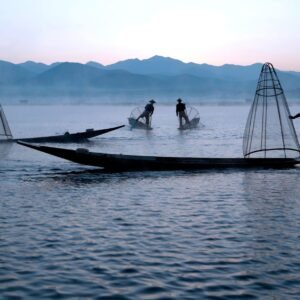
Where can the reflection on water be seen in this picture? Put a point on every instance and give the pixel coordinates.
(272, 222)
(5, 148)
(272, 185)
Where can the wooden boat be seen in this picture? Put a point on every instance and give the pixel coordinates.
(69, 137)
(6, 135)
(119, 162)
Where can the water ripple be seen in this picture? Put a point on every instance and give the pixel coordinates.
(74, 232)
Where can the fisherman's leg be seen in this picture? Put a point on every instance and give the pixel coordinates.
(180, 121)
(147, 120)
(140, 116)
(186, 118)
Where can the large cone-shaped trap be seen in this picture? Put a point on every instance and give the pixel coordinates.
(269, 132)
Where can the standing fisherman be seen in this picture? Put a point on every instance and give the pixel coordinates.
(181, 113)
(147, 113)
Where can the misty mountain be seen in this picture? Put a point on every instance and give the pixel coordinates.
(289, 80)
(235, 72)
(154, 77)
(169, 66)
(67, 74)
(79, 75)
(159, 65)
(33, 67)
(153, 65)
(84, 76)
(95, 64)
(13, 74)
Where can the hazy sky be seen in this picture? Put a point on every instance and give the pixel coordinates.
(202, 31)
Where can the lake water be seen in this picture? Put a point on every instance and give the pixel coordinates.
(68, 231)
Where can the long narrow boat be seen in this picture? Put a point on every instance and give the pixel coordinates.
(69, 137)
(83, 136)
(120, 162)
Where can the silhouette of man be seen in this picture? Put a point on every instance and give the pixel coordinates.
(181, 113)
(147, 113)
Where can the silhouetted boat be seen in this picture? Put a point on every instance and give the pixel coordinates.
(120, 162)
(6, 135)
(69, 137)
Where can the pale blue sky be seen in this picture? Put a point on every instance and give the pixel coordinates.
(202, 31)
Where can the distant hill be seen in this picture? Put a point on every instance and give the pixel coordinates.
(170, 66)
(67, 74)
(153, 65)
(79, 75)
(11, 74)
(33, 67)
(95, 64)
(161, 77)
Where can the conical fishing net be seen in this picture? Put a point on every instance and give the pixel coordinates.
(5, 132)
(192, 113)
(269, 132)
(136, 112)
(193, 116)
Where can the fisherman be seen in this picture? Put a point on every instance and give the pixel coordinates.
(295, 116)
(147, 113)
(181, 112)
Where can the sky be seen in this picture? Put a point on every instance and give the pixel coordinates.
(215, 32)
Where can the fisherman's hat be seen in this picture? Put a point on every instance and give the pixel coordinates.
(152, 101)
(179, 100)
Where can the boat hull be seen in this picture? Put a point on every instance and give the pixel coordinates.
(138, 124)
(69, 137)
(119, 162)
(192, 125)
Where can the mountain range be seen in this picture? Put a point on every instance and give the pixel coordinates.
(135, 80)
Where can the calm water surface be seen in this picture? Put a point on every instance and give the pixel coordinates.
(73, 232)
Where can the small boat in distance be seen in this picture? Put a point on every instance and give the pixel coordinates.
(67, 137)
(78, 137)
